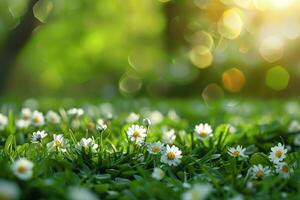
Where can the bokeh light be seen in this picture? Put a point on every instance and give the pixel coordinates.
(42, 9)
(230, 25)
(271, 48)
(211, 93)
(233, 80)
(130, 84)
(277, 78)
(201, 56)
(202, 38)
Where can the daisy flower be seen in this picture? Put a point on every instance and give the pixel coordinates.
(297, 140)
(53, 117)
(22, 168)
(237, 151)
(37, 118)
(137, 134)
(278, 153)
(259, 171)
(75, 112)
(283, 169)
(86, 144)
(9, 190)
(203, 131)
(59, 143)
(169, 136)
(80, 193)
(147, 122)
(171, 156)
(22, 124)
(158, 173)
(132, 117)
(38, 136)
(101, 125)
(197, 192)
(26, 114)
(155, 147)
(294, 126)
(3, 121)
(155, 117)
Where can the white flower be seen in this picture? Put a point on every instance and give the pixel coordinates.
(53, 117)
(197, 192)
(283, 169)
(22, 168)
(3, 121)
(147, 122)
(203, 131)
(38, 136)
(158, 173)
(173, 115)
(277, 153)
(259, 171)
(101, 126)
(75, 112)
(232, 129)
(155, 117)
(169, 136)
(59, 143)
(37, 118)
(22, 124)
(75, 123)
(155, 147)
(80, 193)
(297, 140)
(86, 144)
(132, 117)
(137, 134)
(26, 114)
(171, 156)
(9, 190)
(238, 151)
(294, 126)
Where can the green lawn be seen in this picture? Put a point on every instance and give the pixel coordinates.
(143, 149)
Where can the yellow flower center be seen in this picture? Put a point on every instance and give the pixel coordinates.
(285, 169)
(53, 119)
(155, 149)
(260, 174)
(26, 117)
(236, 153)
(57, 143)
(36, 120)
(171, 155)
(91, 125)
(136, 134)
(21, 169)
(203, 134)
(278, 154)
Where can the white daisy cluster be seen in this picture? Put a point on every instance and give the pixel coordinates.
(277, 156)
(169, 155)
(3, 122)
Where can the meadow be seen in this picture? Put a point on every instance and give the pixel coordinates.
(134, 149)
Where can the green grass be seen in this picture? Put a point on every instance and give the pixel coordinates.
(119, 169)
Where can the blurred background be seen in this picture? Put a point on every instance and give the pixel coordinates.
(155, 48)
